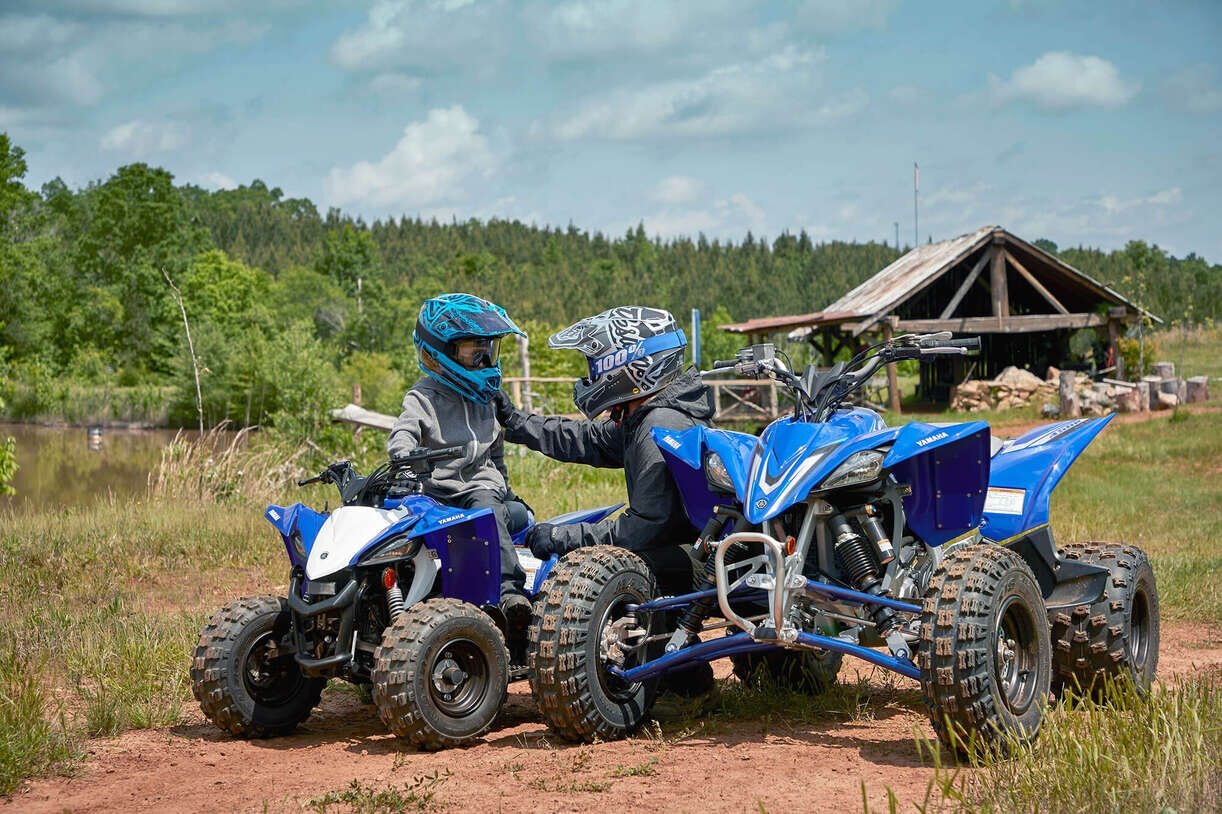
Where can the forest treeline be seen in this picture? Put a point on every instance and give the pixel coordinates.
(289, 307)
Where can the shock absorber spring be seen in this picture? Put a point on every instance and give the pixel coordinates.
(394, 595)
(854, 553)
(859, 561)
(692, 620)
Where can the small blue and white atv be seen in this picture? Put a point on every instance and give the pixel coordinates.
(391, 590)
(923, 549)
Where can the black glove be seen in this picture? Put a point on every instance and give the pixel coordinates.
(541, 542)
(503, 406)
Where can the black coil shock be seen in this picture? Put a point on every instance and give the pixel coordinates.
(854, 553)
(859, 562)
(694, 614)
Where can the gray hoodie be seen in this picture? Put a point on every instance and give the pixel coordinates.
(435, 416)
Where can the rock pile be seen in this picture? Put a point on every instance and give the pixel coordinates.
(1018, 388)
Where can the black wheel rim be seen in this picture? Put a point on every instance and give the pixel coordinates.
(1139, 631)
(270, 675)
(459, 677)
(614, 688)
(1016, 655)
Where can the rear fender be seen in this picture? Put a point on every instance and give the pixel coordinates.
(1026, 470)
(1063, 583)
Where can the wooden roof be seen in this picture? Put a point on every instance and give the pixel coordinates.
(888, 291)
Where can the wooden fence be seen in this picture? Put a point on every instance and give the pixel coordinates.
(735, 399)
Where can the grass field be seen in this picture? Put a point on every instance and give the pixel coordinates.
(100, 607)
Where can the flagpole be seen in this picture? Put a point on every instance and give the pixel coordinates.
(916, 217)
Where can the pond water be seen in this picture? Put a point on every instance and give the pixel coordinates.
(63, 466)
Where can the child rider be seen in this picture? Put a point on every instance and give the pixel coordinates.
(458, 339)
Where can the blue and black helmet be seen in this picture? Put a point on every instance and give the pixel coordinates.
(458, 340)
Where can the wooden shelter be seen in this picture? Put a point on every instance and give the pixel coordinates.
(1022, 301)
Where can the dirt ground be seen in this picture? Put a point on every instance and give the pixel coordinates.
(521, 766)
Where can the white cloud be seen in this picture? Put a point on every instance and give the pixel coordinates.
(744, 97)
(394, 84)
(844, 16)
(429, 165)
(677, 189)
(424, 34)
(733, 215)
(215, 180)
(139, 138)
(1059, 80)
(50, 62)
(1194, 90)
(1113, 204)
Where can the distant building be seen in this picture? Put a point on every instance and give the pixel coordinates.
(1023, 303)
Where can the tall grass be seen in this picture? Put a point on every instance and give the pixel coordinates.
(1156, 752)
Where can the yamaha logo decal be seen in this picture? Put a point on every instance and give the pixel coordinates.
(761, 503)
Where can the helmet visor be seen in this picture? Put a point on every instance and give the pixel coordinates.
(476, 352)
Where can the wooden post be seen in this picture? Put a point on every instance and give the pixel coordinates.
(772, 400)
(527, 398)
(997, 281)
(893, 382)
(1163, 370)
(515, 392)
(1113, 337)
(356, 399)
(1068, 398)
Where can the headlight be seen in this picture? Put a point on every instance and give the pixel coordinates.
(860, 467)
(400, 548)
(717, 474)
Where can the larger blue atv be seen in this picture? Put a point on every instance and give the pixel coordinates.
(924, 549)
(391, 590)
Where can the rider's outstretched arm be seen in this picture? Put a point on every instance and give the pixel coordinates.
(597, 443)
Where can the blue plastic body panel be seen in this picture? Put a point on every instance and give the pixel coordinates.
(795, 456)
(685, 450)
(1028, 468)
(947, 468)
(470, 557)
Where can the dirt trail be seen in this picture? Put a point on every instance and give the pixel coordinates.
(521, 766)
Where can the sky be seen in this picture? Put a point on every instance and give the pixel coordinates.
(1088, 123)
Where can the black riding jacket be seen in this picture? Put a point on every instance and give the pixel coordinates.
(655, 516)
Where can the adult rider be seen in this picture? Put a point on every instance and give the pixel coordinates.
(635, 357)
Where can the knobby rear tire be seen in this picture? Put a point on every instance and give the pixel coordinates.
(811, 672)
(1114, 638)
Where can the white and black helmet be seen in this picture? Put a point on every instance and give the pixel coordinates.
(632, 351)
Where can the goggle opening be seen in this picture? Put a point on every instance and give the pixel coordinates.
(476, 352)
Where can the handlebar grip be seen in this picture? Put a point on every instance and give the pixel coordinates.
(971, 343)
(308, 481)
(447, 452)
(722, 363)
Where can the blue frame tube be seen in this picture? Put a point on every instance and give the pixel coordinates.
(859, 597)
(743, 643)
(668, 602)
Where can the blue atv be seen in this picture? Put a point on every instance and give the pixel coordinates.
(391, 590)
(923, 549)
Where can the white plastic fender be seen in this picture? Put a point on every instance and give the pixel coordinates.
(348, 530)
